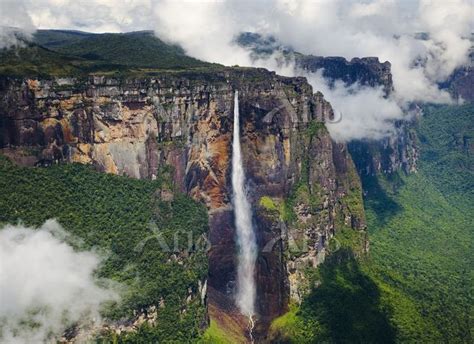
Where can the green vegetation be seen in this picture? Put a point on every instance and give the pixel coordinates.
(315, 127)
(422, 246)
(76, 54)
(34, 60)
(353, 199)
(113, 214)
(134, 49)
(268, 203)
(293, 325)
(446, 136)
(276, 208)
(348, 239)
(416, 285)
(215, 335)
(345, 308)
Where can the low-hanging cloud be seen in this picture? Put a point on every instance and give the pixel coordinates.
(45, 285)
(424, 40)
(363, 112)
(14, 22)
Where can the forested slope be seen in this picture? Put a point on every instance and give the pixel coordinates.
(416, 283)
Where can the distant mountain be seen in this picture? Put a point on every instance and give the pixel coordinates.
(261, 45)
(135, 49)
(70, 53)
(461, 82)
(367, 71)
(57, 38)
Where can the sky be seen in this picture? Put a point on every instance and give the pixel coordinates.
(348, 28)
(40, 269)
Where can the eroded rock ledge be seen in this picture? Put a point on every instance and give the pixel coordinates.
(303, 186)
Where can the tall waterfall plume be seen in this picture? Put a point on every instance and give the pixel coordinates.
(246, 288)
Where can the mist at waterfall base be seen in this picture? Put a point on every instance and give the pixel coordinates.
(246, 241)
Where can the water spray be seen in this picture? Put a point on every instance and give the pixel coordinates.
(246, 240)
(251, 326)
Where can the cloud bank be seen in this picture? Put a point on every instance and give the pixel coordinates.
(425, 40)
(387, 29)
(362, 112)
(13, 16)
(45, 285)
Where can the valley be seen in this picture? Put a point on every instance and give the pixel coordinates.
(222, 206)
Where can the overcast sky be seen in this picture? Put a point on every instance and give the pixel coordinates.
(348, 28)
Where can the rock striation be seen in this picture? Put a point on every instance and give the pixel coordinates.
(303, 186)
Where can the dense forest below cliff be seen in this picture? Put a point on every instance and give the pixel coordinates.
(421, 230)
(416, 283)
(117, 216)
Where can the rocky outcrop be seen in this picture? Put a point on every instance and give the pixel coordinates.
(459, 84)
(366, 71)
(385, 156)
(303, 186)
(389, 155)
(395, 153)
(297, 177)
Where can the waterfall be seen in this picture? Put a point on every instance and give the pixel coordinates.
(246, 241)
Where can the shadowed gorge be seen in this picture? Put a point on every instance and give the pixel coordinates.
(414, 283)
(301, 183)
(179, 125)
(344, 308)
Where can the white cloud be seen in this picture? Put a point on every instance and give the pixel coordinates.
(450, 24)
(91, 15)
(44, 281)
(362, 112)
(13, 16)
(348, 28)
(193, 24)
(86, 15)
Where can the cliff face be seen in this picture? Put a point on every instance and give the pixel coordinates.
(366, 71)
(384, 156)
(389, 155)
(460, 82)
(396, 153)
(303, 186)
